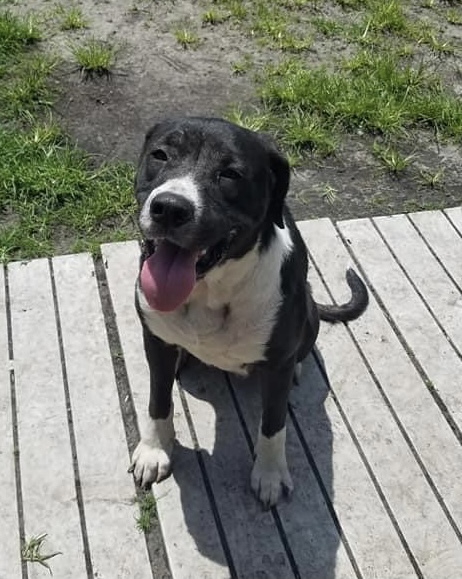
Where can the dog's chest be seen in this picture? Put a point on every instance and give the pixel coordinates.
(225, 328)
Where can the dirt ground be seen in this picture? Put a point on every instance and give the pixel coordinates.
(154, 77)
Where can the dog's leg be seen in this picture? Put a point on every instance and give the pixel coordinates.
(151, 459)
(270, 474)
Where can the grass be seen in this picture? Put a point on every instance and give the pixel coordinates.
(52, 196)
(95, 57)
(383, 88)
(391, 158)
(433, 179)
(71, 18)
(328, 193)
(148, 511)
(242, 66)
(15, 34)
(187, 39)
(373, 92)
(214, 17)
(32, 552)
(454, 16)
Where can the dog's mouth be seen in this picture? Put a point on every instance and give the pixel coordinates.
(169, 274)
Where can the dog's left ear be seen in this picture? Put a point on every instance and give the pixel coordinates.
(280, 171)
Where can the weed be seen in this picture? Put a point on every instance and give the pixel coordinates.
(47, 183)
(235, 8)
(71, 18)
(95, 57)
(240, 67)
(372, 91)
(436, 44)
(433, 179)
(187, 38)
(298, 4)
(272, 27)
(15, 33)
(31, 552)
(352, 4)
(327, 27)
(254, 121)
(454, 16)
(29, 89)
(305, 131)
(391, 158)
(387, 17)
(148, 511)
(214, 17)
(329, 193)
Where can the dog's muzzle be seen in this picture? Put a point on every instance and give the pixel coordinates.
(169, 274)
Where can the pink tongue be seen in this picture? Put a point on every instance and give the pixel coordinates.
(168, 276)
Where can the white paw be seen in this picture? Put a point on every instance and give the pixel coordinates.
(270, 475)
(269, 481)
(151, 459)
(150, 464)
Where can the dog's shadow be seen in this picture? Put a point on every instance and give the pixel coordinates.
(255, 538)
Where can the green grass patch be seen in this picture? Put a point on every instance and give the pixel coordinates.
(148, 511)
(52, 196)
(48, 184)
(95, 57)
(15, 34)
(454, 16)
(32, 552)
(374, 92)
(71, 18)
(391, 158)
(214, 17)
(187, 39)
(242, 66)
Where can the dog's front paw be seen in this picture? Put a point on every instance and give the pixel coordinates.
(270, 475)
(269, 481)
(150, 464)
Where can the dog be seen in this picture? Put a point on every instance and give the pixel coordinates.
(223, 276)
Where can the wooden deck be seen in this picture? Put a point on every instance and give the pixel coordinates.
(374, 432)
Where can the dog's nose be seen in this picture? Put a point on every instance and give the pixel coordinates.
(171, 210)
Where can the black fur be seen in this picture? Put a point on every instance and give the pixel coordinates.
(243, 182)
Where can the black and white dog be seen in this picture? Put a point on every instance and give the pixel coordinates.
(223, 276)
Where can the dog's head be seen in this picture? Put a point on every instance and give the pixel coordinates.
(207, 191)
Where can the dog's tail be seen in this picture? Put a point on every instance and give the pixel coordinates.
(352, 309)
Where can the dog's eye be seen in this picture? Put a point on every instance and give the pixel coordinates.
(159, 155)
(230, 174)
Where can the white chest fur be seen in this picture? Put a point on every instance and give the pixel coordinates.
(230, 314)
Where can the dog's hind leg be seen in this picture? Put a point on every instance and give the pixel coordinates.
(152, 457)
(309, 335)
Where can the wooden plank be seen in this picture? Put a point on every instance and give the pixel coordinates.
(48, 487)
(426, 427)
(9, 528)
(443, 239)
(424, 337)
(102, 451)
(191, 538)
(425, 527)
(431, 281)
(308, 524)
(252, 535)
(455, 215)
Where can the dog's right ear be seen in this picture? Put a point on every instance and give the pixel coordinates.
(280, 176)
